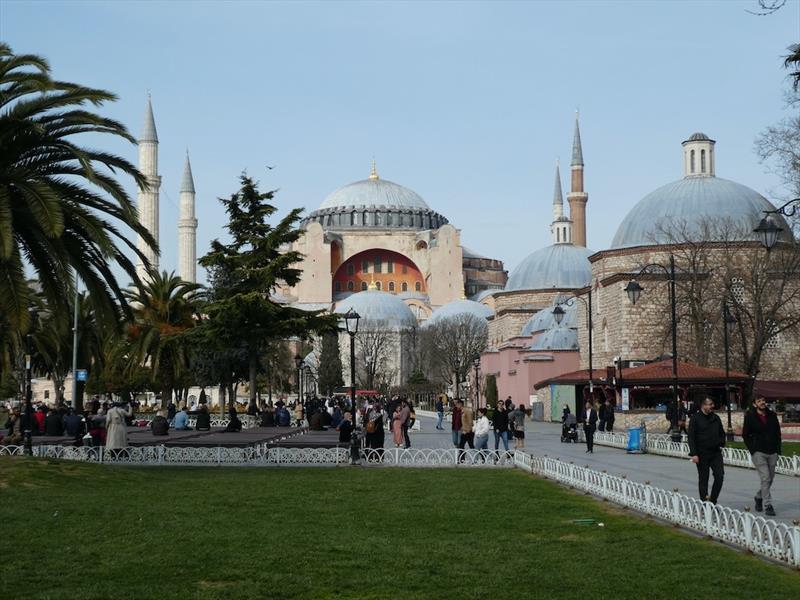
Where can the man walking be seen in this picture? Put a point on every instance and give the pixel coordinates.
(609, 416)
(439, 412)
(762, 435)
(706, 439)
(589, 425)
(456, 424)
(467, 435)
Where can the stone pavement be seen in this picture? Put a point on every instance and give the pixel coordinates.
(661, 471)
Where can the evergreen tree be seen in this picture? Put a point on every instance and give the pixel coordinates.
(491, 390)
(330, 364)
(245, 272)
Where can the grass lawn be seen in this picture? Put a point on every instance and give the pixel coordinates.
(84, 531)
(787, 448)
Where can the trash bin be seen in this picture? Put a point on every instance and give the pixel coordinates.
(635, 436)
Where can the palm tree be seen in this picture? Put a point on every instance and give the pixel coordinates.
(61, 208)
(165, 308)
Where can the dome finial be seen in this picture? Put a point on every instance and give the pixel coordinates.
(373, 173)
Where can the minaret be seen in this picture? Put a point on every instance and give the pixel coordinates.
(561, 227)
(577, 198)
(187, 227)
(147, 200)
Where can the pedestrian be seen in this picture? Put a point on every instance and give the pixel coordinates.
(181, 420)
(54, 424)
(610, 416)
(116, 431)
(203, 420)
(159, 425)
(409, 423)
(298, 414)
(762, 436)
(405, 421)
(234, 422)
(439, 412)
(601, 417)
(345, 429)
(589, 425)
(481, 429)
(455, 424)
(467, 428)
(500, 425)
(375, 433)
(397, 426)
(171, 410)
(706, 440)
(518, 418)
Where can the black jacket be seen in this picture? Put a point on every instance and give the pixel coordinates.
(159, 425)
(203, 421)
(706, 434)
(53, 424)
(500, 420)
(592, 420)
(762, 437)
(610, 418)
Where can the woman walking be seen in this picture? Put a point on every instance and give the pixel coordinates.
(397, 426)
(518, 418)
(481, 428)
(500, 425)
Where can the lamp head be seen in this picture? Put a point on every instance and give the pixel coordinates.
(768, 232)
(351, 319)
(558, 314)
(634, 291)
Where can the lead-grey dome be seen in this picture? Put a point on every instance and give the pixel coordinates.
(558, 338)
(460, 307)
(374, 192)
(544, 320)
(692, 203)
(560, 266)
(379, 311)
(699, 137)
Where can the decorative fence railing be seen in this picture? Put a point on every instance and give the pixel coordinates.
(766, 537)
(662, 444)
(268, 455)
(248, 421)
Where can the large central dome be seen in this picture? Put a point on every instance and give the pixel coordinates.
(373, 193)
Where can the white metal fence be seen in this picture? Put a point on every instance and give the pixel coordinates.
(663, 444)
(766, 537)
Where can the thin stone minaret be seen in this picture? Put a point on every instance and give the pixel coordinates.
(147, 200)
(561, 227)
(577, 197)
(187, 227)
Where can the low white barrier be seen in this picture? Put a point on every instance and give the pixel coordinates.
(663, 444)
(766, 537)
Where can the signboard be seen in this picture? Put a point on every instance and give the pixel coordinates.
(81, 375)
(626, 399)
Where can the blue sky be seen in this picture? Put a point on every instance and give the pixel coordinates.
(468, 104)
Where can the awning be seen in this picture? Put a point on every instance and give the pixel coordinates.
(788, 390)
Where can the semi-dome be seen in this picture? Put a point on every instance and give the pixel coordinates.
(561, 266)
(544, 320)
(558, 338)
(378, 311)
(692, 204)
(460, 307)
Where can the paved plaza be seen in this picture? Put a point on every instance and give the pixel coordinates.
(661, 471)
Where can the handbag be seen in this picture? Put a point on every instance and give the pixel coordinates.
(372, 426)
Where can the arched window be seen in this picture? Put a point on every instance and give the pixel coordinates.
(377, 285)
(404, 287)
(337, 286)
(365, 266)
(378, 264)
(691, 161)
(558, 234)
(351, 269)
(363, 286)
(418, 286)
(350, 286)
(405, 269)
(389, 266)
(391, 286)
(702, 161)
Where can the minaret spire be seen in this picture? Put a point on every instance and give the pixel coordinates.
(561, 227)
(187, 226)
(577, 197)
(148, 199)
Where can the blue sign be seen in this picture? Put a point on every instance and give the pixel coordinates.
(81, 375)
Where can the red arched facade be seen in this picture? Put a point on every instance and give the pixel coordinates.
(391, 271)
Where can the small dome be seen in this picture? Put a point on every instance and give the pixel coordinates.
(562, 266)
(460, 307)
(483, 294)
(558, 338)
(374, 192)
(378, 311)
(699, 137)
(544, 320)
(692, 203)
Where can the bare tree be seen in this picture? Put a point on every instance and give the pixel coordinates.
(375, 354)
(452, 345)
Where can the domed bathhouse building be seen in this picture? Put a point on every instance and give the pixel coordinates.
(706, 224)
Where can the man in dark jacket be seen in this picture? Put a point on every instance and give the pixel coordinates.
(53, 424)
(589, 425)
(610, 417)
(762, 435)
(706, 439)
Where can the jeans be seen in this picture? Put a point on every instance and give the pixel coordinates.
(482, 442)
(441, 418)
(765, 467)
(715, 464)
(501, 435)
(456, 437)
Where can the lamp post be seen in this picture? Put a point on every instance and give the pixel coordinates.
(28, 420)
(729, 322)
(558, 315)
(477, 365)
(298, 363)
(634, 291)
(351, 318)
(768, 229)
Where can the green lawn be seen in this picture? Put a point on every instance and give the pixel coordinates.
(787, 448)
(84, 531)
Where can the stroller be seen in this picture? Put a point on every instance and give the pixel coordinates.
(569, 429)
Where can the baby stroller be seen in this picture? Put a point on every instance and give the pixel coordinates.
(569, 429)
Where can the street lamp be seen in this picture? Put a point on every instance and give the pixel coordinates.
(634, 291)
(768, 229)
(729, 325)
(298, 363)
(477, 365)
(351, 318)
(28, 420)
(558, 315)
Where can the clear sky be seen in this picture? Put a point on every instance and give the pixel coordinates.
(468, 104)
